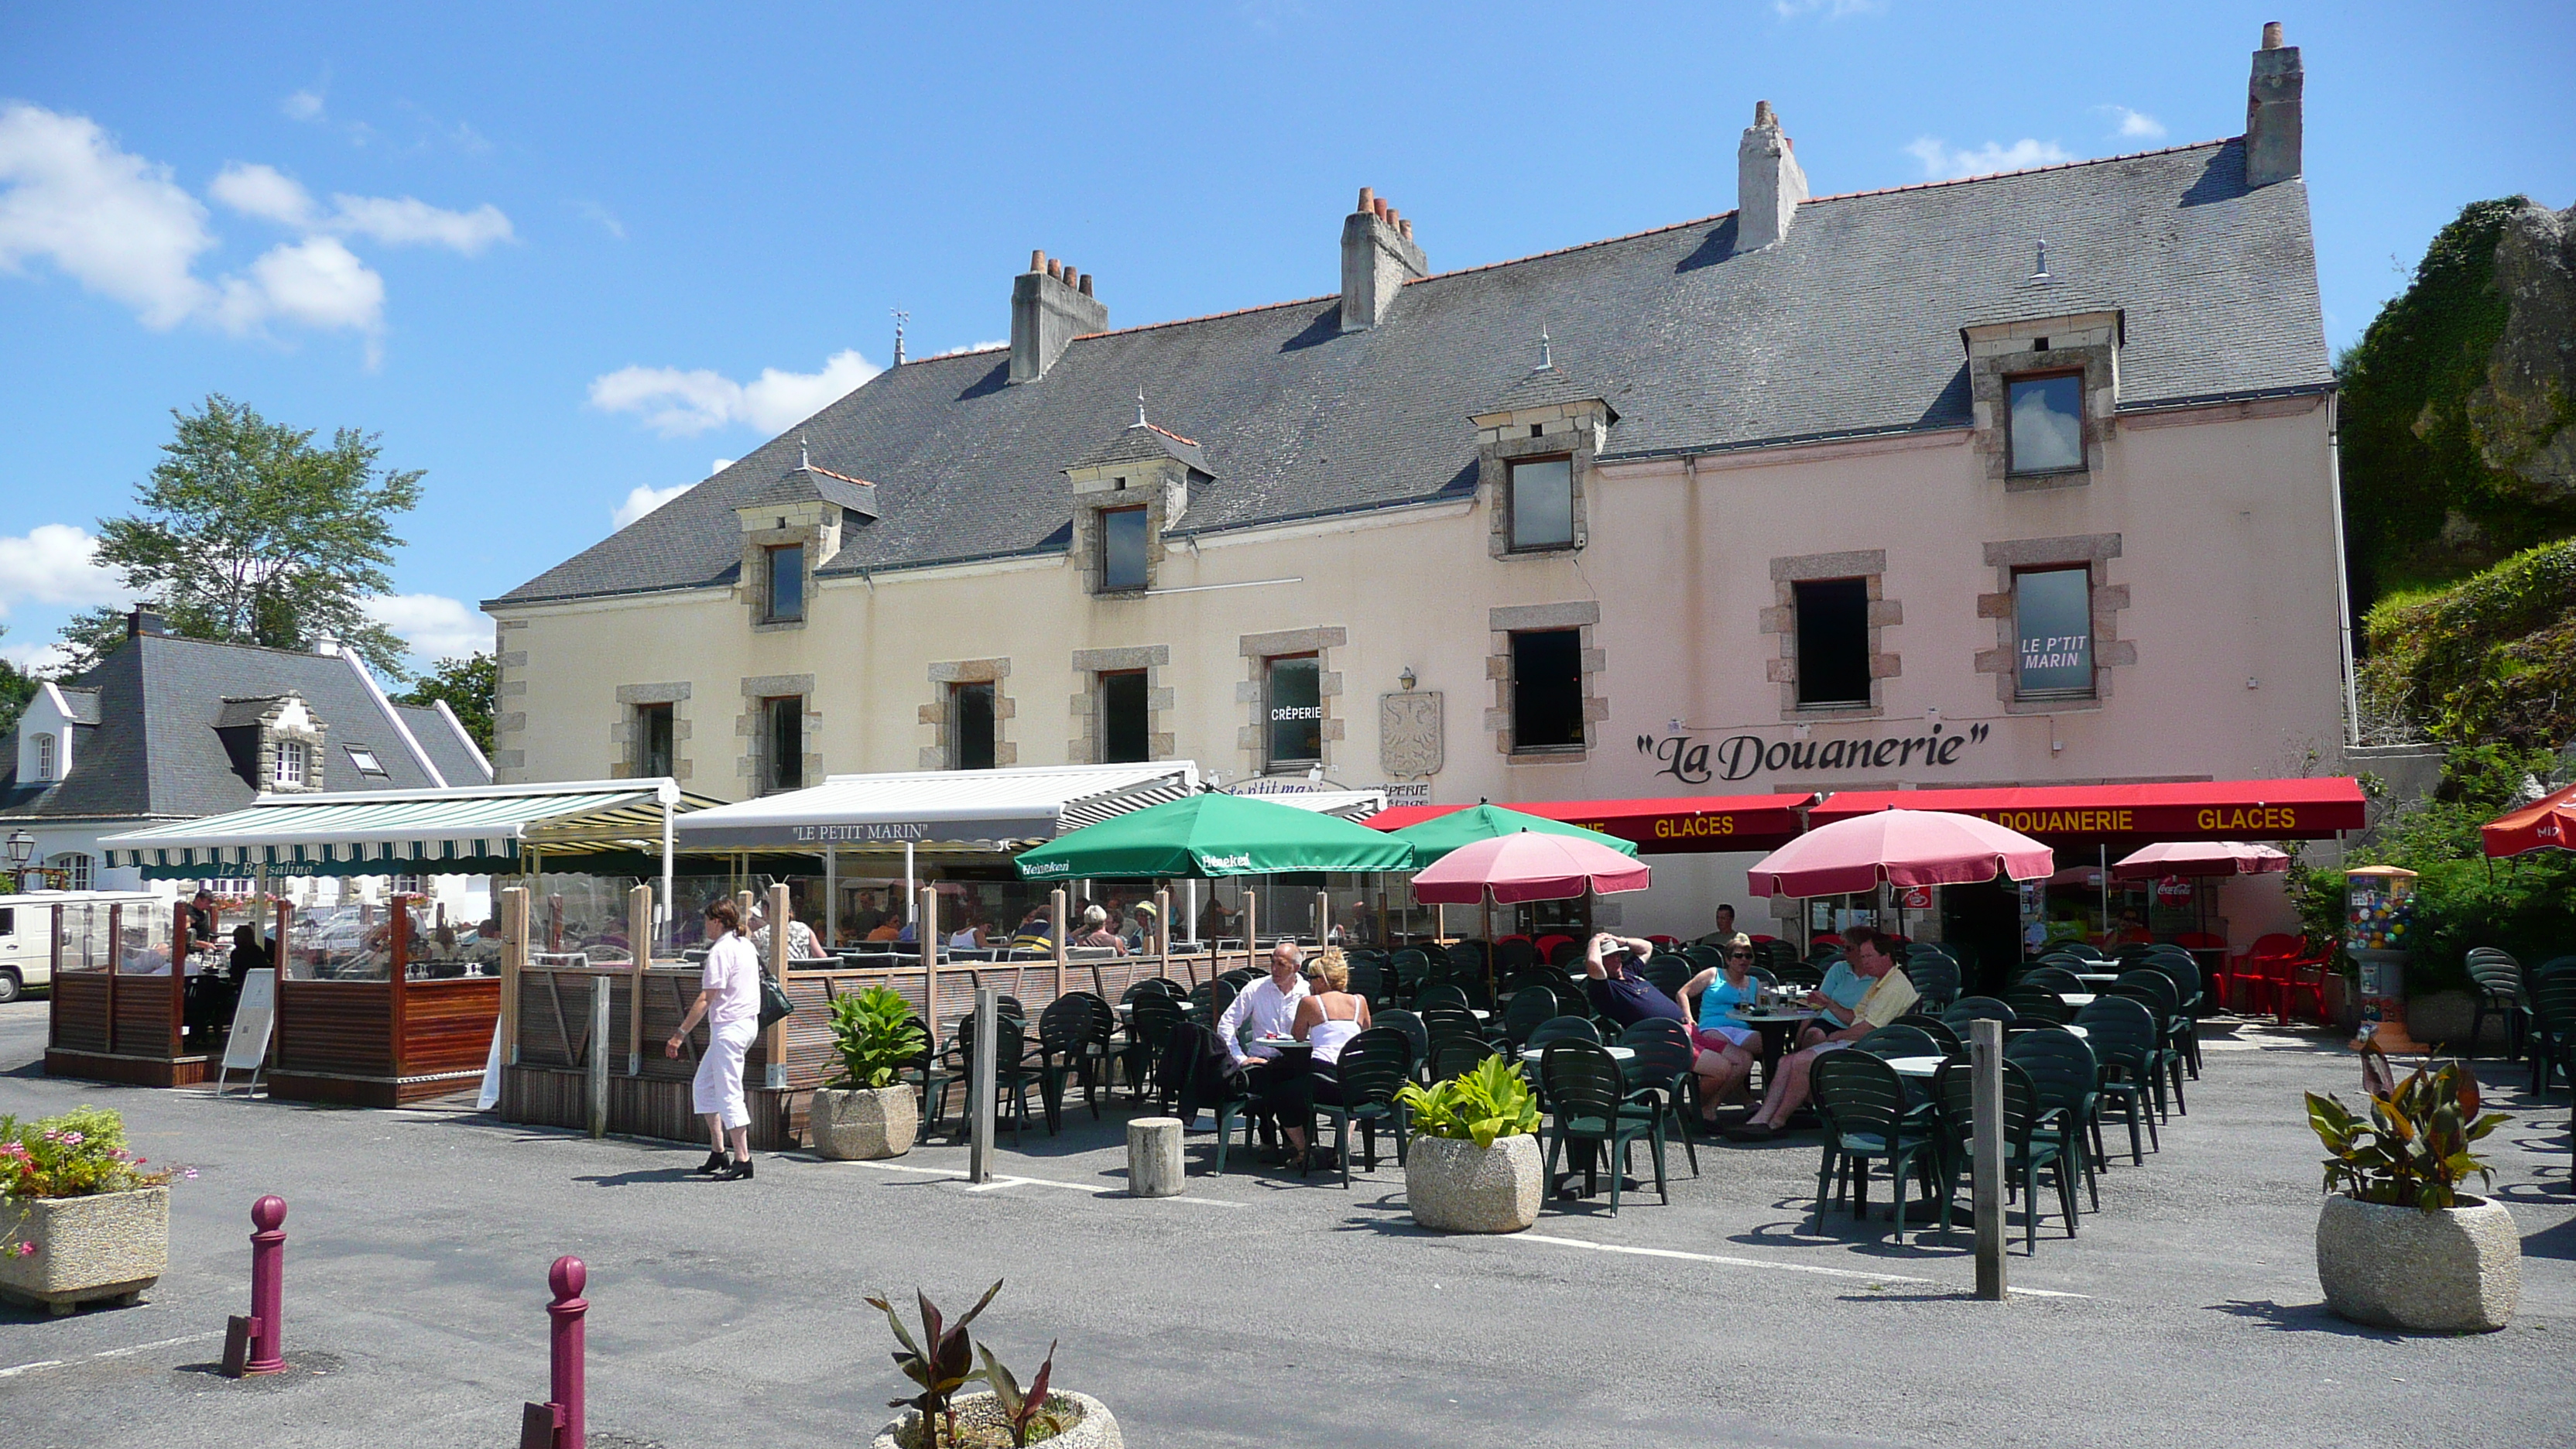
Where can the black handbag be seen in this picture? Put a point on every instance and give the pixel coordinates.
(774, 1003)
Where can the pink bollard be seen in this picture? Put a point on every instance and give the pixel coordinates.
(568, 1278)
(257, 1344)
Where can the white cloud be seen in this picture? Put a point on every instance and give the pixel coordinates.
(435, 626)
(676, 403)
(302, 106)
(606, 219)
(721, 465)
(316, 282)
(263, 191)
(45, 659)
(1940, 163)
(267, 193)
(643, 500)
(56, 563)
(974, 347)
(406, 221)
(106, 218)
(2134, 125)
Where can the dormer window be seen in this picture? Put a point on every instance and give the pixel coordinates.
(1542, 503)
(366, 761)
(2044, 428)
(784, 588)
(289, 772)
(45, 757)
(1124, 533)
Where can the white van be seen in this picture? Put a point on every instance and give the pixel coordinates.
(27, 948)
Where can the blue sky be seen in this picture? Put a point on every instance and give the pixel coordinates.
(558, 254)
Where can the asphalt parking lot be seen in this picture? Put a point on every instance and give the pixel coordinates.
(1260, 1309)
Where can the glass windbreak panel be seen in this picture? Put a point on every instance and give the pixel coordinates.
(787, 582)
(345, 942)
(787, 743)
(1833, 641)
(653, 740)
(584, 916)
(82, 931)
(1547, 690)
(1543, 503)
(2047, 433)
(1124, 736)
(143, 940)
(974, 726)
(1294, 710)
(2053, 616)
(1122, 548)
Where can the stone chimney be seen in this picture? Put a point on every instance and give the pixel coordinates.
(1768, 183)
(1378, 258)
(1051, 304)
(2272, 111)
(144, 621)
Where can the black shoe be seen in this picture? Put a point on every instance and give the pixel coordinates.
(715, 1163)
(735, 1171)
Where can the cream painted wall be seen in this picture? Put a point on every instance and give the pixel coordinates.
(2227, 551)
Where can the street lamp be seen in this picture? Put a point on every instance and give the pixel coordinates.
(22, 848)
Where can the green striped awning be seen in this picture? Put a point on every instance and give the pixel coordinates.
(466, 831)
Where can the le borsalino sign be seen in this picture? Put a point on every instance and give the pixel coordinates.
(1695, 761)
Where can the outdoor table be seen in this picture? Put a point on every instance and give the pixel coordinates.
(1125, 1008)
(1617, 1054)
(1480, 1015)
(2076, 999)
(2097, 978)
(1778, 1027)
(1283, 1044)
(1924, 1067)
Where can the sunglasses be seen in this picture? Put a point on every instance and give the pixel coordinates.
(1739, 955)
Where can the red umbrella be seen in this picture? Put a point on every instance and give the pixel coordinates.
(2545, 823)
(1900, 847)
(1527, 866)
(2199, 857)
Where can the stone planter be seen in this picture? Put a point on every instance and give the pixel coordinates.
(2457, 1270)
(2441, 1018)
(857, 1126)
(112, 1246)
(1096, 1429)
(1454, 1186)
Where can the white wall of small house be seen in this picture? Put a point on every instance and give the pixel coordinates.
(2227, 552)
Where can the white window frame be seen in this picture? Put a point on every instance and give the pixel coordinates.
(45, 757)
(289, 767)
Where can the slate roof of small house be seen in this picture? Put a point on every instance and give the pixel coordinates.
(807, 484)
(83, 703)
(239, 712)
(1142, 443)
(446, 745)
(1544, 387)
(156, 752)
(1848, 327)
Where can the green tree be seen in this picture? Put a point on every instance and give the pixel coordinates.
(468, 684)
(16, 688)
(250, 534)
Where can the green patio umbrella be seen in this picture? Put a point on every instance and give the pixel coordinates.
(1436, 837)
(1210, 835)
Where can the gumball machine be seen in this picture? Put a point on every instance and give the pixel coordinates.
(2379, 920)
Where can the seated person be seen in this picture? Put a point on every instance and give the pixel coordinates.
(248, 954)
(1620, 993)
(1327, 1017)
(1838, 999)
(1266, 1008)
(969, 935)
(1036, 932)
(2132, 931)
(888, 929)
(801, 942)
(1095, 931)
(1727, 1047)
(1865, 953)
(1215, 920)
(1725, 934)
(484, 946)
(1138, 938)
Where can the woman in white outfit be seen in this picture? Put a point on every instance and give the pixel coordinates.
(729, 1000)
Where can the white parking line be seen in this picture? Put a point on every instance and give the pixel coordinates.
(1726, 1261)
(1093, 1188)
(28, 1368)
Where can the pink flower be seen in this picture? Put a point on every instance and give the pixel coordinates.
(26, 1250)
(72, 1139)
(189, 1173)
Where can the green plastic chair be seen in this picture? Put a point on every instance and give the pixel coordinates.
(1862, 1103)
(2122, 1034)
(1529, 1006)
(2069, 1079)
(2026, 1151)
(1587, 1098)
(1373, 1066)
(1660, 1076)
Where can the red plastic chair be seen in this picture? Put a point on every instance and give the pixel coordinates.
(1825, 938)
(1666, 943)
(2304, 975)
(1547, 944)
(2252, 968)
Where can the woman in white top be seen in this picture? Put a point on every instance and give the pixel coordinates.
(1326, 1020)
(968, 937)
(729, 1000)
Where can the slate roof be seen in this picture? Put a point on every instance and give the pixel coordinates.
(807, 484)
(83, 702)
(446, 744)
(1848, 327)
(1539, 388)
(1142, 443)
(156, 751)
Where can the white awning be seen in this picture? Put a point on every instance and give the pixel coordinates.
(470, 830)
(980, 809)
(1351, 805)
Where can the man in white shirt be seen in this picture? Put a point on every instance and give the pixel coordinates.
(1267, 1007)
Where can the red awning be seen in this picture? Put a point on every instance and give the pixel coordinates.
(2306, 809)
(2546, 823)
(1659, 827)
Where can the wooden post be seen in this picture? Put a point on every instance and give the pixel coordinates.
(596, 1074)
(1323, 919)
(639, 939)
(115, 958)
(831, 897)
(277, 982)
(1986, 1064)
(1251, 938)
(988, 1024)
(1056, 929)
(514, 962)
(925, 932)
(398, 933)
(775, 1078)
(179, 940)
(1163, 932)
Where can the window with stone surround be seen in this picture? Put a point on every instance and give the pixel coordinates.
(782, 732)
(969, 724)
(289, 774)
(1547, 670)
(1832, 608)
(1303, 737)
(2057, 622)
(1293, 710)
(2044, 423)
(1119, 706)
(1542, 503)
(652, 731)
(1126, 730)
(970, 729)
(2044, 395)
(649, 735)
(1124, 536)
(784, 586)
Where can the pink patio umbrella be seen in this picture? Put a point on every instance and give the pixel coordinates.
(1902, 848)
(2199, 857)
(1527, 866)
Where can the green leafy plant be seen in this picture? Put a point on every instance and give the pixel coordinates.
(2414, 1148)
(1479, 1106)
(875, 1034)
(946, 1366)
(81, 1153)
(1027, 1413)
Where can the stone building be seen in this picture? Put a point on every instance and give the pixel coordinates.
(2027, 478)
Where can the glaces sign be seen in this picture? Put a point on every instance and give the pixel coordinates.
(1695, 761)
